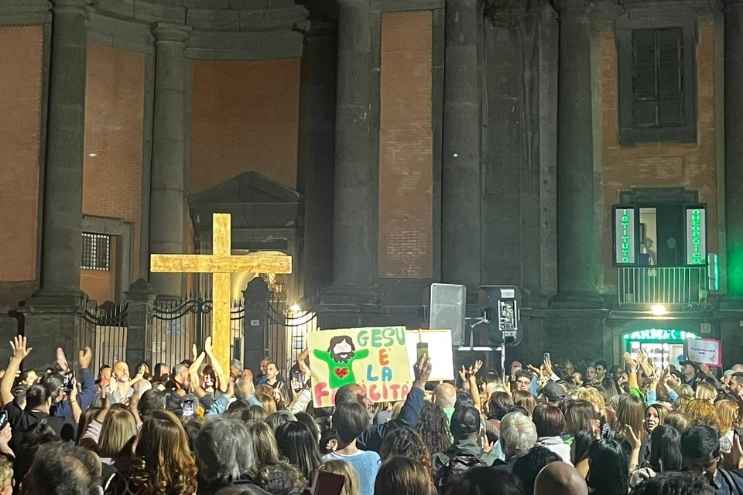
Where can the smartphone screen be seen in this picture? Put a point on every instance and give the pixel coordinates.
(328, 483)
(421, 349)
(188, 409)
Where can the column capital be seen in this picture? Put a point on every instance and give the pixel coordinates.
(173, 33)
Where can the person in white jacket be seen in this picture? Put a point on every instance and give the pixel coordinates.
(550, 423)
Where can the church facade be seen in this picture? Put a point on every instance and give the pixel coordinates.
(587, 152)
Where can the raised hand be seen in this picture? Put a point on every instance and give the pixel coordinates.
(194, 353)
(85, 356)
(422, 370)
(734, 460)
(632, 438)
(62, 360)
(477, 366)
(208, 346)
(19, 345)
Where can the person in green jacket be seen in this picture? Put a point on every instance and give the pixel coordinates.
(340, 357)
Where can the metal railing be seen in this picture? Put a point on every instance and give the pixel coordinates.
(662, 285)
(103, 329)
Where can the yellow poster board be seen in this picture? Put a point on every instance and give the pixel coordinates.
(375, 358)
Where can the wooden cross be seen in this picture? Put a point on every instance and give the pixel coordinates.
(221, 264)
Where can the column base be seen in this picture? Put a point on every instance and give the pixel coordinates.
(52, 320)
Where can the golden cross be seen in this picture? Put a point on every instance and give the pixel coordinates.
(221, 264)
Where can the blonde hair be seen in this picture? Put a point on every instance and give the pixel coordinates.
(727, 415)
(352, 485)
(701, 412)
(117, 430)
(6, 472)
(707, 392)
(119, 366)
(593, 396)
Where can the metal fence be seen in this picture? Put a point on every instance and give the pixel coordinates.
(103, 329)
(286, 332)
(662, 285)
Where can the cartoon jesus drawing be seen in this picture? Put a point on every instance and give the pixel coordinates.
(339, 357)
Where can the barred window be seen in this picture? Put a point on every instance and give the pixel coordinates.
(96, 252)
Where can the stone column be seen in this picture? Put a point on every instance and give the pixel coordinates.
(354, 233)
(577, 261)
(461, 190)
(63, 175)
(168, 151)
(316, 145)
(734, 146)
(139, 317)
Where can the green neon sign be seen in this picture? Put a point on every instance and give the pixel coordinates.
(624, 228)
(655, 334)
(696, 236)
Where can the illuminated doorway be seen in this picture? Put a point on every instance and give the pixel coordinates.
(663, 346)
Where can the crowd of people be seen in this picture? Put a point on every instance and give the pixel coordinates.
(195, 428)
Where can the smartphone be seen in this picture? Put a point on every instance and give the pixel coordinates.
(328, 483)
(421, 349)
(3, 418)
(188, 408)
(547, 357)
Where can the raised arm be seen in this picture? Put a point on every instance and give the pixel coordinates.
(223, 382)
(193, 373)
(19, 352)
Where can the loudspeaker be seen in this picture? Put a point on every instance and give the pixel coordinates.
(500, 303)
(448, 307)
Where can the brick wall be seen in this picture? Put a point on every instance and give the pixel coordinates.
(692, 166)
(114, 120)
(98, 284)
(21, 61)
(245, 116)
(406, 147)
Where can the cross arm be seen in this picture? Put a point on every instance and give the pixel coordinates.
(204, 263)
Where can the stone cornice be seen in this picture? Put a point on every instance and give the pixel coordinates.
(25, 12)
(174, 33)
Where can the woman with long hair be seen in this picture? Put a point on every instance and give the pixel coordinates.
(433, 428)
(351, 484)
(401, 475)
(727, 417)
(655, 415)
(298, 444)
(406, 442)
(581, 416)
(608, 472)
(263, 445)
(119, 427)
(162, 464)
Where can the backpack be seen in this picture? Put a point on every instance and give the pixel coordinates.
(452, 472)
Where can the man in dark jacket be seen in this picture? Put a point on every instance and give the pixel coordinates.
(700, 448)
(464, 454)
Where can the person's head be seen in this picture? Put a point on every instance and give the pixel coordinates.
(631, 411)
(590, 374)
(465, 422)
(601, 368)
(549, 420)
(665, 449)
(264, 365)
(236, 369)
(655, 415)
(28, 377)
(525, 401)
(280, 478)
(580, 447)
(736, 383)
(297, 444)
(689, 371)
(499, 404)
(118, 429)
(727, 415)
(445, 395)
(350, 419)
(700, 448)
(181, 373)
(433, 427)
(263, 444)
(221, 447)
(272, 371)
(523, 380)
(63, 469)
(707, 392)
(674, 483)
(400, 440)
(608, 468)
(267, 399)
(593, 396)
(527, 467)
(280, 418)
(163, 446)
(121, 372)
(151, 400)
(678, 421)
(351, 486)
(580, 416)
(403, 475)
(517, 434)
(559, 478)
(208, 378)
(254, 414)
(568, 368)
(486, 481)
(104, 373)
(161, 371)
(243, 388)
(351, 393)
(701, 412)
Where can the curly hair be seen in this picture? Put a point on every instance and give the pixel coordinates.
(701, 412)
(433, 428)
(400, 440)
